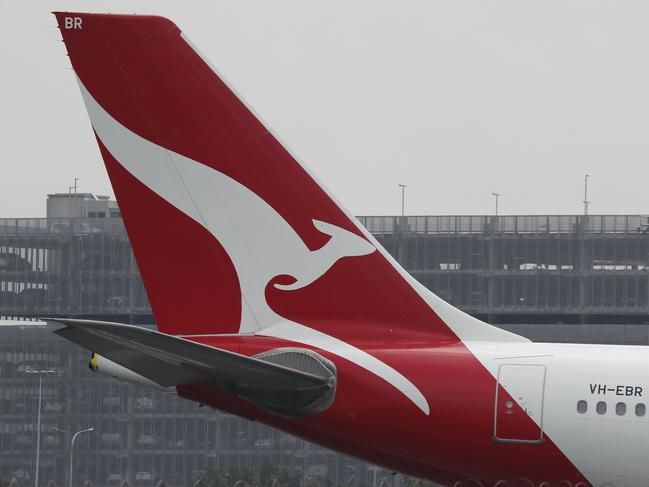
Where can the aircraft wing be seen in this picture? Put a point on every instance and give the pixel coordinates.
(168, 360)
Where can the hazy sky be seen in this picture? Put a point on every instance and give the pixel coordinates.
(456, 99)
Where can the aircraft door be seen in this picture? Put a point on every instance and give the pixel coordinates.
(518, 417)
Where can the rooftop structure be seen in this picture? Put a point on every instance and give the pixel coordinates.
(81, 205)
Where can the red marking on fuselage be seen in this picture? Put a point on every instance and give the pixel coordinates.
(372, 421)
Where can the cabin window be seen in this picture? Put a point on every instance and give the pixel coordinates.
(640, 409)
(601, 407)
(620, 408)
(582, 407)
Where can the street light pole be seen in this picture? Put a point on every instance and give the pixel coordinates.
(38, 429)
(403, 199)
(586, 202)
(72, 450)
(40, 373)
(76, 186)
(496, 195)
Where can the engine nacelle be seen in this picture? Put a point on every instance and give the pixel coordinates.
(104, 366)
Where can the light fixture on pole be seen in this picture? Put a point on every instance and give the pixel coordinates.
(40, 374)
(586, 202)
(403, 198)
(496, 195)
(72, 450)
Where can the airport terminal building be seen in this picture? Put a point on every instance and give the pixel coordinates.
(568, 278)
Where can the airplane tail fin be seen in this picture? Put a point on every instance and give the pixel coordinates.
(231, 233)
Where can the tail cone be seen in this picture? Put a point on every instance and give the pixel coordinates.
(92, 365)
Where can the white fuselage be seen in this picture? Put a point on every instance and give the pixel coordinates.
(608, 444)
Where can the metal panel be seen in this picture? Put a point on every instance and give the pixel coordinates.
(518, 414)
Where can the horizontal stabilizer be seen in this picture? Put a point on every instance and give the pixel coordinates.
(169, 361)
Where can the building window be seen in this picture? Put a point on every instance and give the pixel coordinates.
(582, 407)
(601, 407)
(640, 409)
(620, 408)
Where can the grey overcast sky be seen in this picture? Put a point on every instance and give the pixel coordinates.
(456, 99)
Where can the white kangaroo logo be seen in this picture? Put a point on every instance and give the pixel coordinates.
(260, 243)
(318, 262)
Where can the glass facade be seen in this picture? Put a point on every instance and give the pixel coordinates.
(551, 278)
(510, 268)
(71, 267)
(505, 269)
(517, 269)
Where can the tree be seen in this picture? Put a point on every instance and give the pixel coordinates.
(266, 475)
(286, 478)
